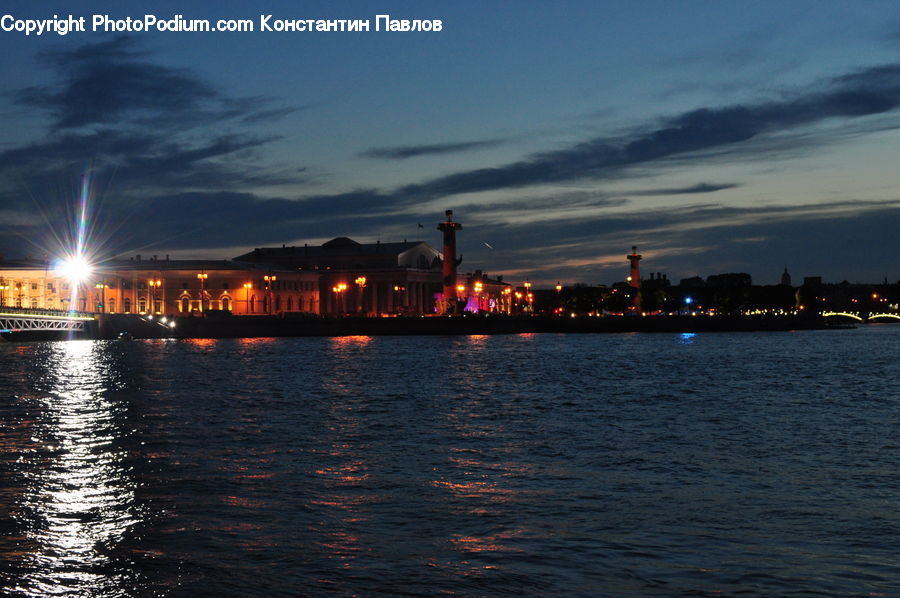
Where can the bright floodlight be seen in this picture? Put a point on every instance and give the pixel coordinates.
(75, 268)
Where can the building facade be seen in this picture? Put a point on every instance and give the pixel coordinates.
(374, 279)
(163, 287)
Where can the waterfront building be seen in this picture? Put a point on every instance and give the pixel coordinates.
(163, 287)
(364, 278)
(476, 292)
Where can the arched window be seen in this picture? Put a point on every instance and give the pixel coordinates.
(111, 305)
(34, 303)
(184, 305)
(278, 303)
(142, 305)
(290, 304)
(226, 303)
(126, 305)
(253, 304)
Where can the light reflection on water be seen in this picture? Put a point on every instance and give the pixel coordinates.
(81, 502)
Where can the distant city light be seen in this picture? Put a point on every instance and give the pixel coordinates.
(688, 300)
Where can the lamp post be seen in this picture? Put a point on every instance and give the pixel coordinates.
(202, 276)
(102, 286)
(529, 297)
(507, 292)
(338, 292)
(269, 278)
(155, 283)
(247, 287)
(361, 282)
(4, 286)
(399, 291)
(478, 287)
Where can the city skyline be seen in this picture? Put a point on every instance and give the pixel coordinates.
(715, 137)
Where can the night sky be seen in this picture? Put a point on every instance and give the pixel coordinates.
(715, 136)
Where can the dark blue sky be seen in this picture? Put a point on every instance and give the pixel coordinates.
(717, 136)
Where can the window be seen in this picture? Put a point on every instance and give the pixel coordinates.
(184, 305)
(226, 303)
(142, 305)
(34, 303)
(290, 304)
(184, 285)
(34, 286)
(126, 285)
(126, 305)
(253, 304)
(111, 306)
(225, 286)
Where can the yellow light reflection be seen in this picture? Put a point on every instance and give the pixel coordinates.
(82, 500)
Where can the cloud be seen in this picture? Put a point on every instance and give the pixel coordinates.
(113, 82)
(414, 151)
(866, 92)
(693, 189)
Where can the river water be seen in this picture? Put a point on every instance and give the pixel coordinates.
(743, 464)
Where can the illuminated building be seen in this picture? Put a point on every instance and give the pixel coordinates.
(481, 294)
(364, 278)
(164, 287)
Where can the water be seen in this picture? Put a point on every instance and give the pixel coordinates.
(623, 465)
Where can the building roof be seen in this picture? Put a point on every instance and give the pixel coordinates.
(339, 246)
(343, 252)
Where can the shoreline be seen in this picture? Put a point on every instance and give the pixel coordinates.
(108, 327)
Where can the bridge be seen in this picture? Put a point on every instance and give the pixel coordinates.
(14, 320)
(864, 317)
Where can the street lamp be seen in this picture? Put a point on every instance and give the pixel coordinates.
(247, 287)
(102, 286)
(154, 283)
(361, 281)
(399, 289)
(269, 278)
(202, 276)
(558, 287)
(508, 300)
(339, 289)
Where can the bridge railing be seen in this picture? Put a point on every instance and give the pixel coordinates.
(56, 313)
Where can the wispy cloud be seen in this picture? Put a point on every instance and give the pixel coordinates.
(415, 151)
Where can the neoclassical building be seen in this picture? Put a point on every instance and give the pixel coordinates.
(164, 287)
(365, 278)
